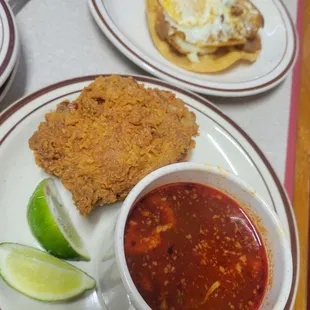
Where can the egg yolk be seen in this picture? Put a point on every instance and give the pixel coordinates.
(191, 13)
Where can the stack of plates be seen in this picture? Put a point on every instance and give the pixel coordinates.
(8, 48)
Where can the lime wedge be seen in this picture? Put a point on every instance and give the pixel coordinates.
(51, 224)
(41, 276)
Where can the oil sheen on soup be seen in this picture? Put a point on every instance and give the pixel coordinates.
(189, 246)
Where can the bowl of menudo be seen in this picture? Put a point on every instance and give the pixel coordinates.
(192, 236)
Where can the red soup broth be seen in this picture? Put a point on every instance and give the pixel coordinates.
(189, 246)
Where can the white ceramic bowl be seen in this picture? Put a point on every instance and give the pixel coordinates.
(273, 235)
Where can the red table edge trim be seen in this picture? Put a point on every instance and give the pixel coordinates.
(293, 115)
(292, 129)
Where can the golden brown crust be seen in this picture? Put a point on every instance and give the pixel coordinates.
(115, 133)
(253, 22)
(225, 57)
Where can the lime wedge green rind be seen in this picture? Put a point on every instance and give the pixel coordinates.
(40, 275)
(51, 225)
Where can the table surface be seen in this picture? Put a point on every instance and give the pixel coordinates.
(60, 40)
(302, 162)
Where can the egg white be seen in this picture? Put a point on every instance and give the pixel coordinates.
(211, 26)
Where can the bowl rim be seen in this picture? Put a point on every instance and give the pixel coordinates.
(134, 296)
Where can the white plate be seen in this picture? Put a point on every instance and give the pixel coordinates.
(8, 41)
(221, 142)
(125, 24)
(7, 84)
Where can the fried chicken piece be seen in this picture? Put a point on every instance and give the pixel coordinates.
(115, 133)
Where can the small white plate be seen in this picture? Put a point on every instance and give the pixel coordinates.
(221, 142)
(125, 24)
(8, 41)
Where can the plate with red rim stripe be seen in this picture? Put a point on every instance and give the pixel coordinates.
(125, 25)
(7, 84)
(8, 41)
(221, 142)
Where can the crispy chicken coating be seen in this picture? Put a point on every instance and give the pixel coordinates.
(115, 133)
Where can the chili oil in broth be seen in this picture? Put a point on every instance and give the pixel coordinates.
(189, 246)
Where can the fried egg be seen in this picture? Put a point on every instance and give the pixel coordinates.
(198, 27)
(192, 13)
